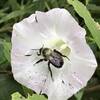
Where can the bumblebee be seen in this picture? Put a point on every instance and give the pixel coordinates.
(53, 57)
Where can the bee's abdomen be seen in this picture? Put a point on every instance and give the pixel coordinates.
(56, 60)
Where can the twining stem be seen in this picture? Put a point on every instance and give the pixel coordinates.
(91, 89)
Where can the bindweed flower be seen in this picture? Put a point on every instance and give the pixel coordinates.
(58, 31)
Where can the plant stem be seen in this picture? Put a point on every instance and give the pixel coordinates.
(92, 89)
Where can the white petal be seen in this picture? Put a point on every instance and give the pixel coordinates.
(25, 37)
(43, 28)
(45, 25)
(72, 77)
(59, 23)
(69, 30)
(32, 76)
(28, 32)
(57, 91)
(80, 48)
(77, 73)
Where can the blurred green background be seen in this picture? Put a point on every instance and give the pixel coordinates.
(12, 11)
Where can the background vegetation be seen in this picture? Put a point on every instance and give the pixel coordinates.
(12, 11)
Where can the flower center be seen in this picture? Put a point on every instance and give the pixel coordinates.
(59, 45)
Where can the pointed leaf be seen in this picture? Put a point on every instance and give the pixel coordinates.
(89, 21)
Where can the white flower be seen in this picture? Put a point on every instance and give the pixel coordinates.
(55, 29)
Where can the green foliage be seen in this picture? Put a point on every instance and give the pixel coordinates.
(17, 96)
(2, 58)
(79, 95)
(12, 11)
(89, 21)
(8, 85)
(6, 50)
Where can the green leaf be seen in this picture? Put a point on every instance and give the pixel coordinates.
(93, 8)
(4, 64)
(87, 1)
(79, 95)
(89, 21)
(2, 12)
(12, 15)
(25, 9)
(27, 91)
(17, 96)
(2, 57)
(6, 50)
(14, 4)
(8, 86)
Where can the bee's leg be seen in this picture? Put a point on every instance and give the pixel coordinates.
(38, 53)
(50, 71)
(61, 54)
(66, 57)
(28, 55)
(39, 61)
